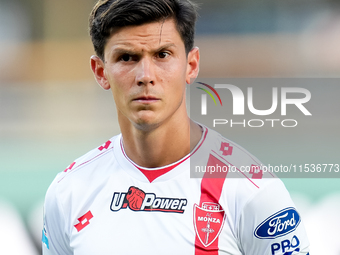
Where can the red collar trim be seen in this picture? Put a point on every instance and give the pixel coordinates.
(152, 174)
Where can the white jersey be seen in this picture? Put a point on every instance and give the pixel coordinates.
(105, 204)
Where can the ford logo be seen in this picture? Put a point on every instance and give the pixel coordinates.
(279, 224)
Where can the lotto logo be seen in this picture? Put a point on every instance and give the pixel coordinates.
(137, 200)
(226, 149)
(83, 221)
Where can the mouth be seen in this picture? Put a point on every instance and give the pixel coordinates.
(146, 99)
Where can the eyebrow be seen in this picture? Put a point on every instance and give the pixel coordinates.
(120, 51)
(165, 46)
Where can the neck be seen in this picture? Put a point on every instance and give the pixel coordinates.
(163, 145)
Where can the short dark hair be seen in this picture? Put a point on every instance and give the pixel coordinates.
(110, 15)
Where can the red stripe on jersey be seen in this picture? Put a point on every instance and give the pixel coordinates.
(211, 189)
(151, 174)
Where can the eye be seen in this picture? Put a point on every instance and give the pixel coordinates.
(126, 58)
(163, 54)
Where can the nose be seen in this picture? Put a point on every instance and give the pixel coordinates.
(145, 72)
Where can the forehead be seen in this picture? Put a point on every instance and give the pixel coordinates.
(146, 36)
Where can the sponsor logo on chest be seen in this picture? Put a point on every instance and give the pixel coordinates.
(137, 200)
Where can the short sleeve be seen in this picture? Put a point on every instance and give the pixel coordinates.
(270, 224)
(54, 236)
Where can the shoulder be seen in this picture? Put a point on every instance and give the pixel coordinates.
(245, 178)
(217, 149)
(259, 207)
(89, 160)
(85, 168)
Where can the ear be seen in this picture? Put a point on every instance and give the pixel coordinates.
(192, 65)
(98, 68)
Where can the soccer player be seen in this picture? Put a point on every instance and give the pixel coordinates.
(133, 194)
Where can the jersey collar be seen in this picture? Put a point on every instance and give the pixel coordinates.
(152, 175)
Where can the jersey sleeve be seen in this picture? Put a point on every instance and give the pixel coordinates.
(271, 225)
(55, 240)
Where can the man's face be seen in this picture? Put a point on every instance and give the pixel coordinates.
(147, 68)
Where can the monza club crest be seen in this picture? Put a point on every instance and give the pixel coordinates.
(208, 221)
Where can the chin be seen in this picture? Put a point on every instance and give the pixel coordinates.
(146, 125)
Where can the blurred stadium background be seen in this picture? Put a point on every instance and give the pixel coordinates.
(52, 111)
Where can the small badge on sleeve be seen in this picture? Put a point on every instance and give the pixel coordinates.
(44, 238)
